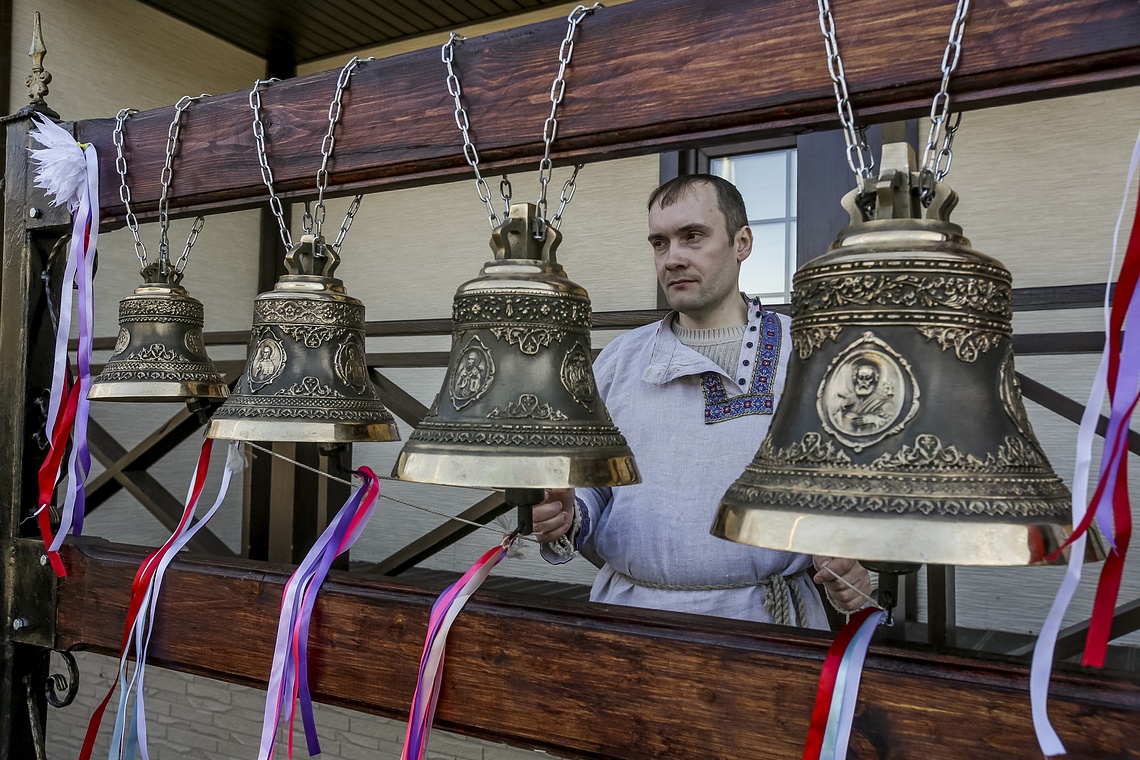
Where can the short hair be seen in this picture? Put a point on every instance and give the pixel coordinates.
(728, 198)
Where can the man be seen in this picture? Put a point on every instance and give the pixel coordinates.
(693, 394)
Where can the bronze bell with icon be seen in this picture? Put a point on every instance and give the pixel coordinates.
(519, 408)
(902, 437)
(306, 377)
(160, 354)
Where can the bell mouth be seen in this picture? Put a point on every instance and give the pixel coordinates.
(517, 469)
(301, 431)
(920, 539)
(155, 391)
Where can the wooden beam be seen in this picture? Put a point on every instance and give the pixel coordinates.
(154, 447)
(1062, 405)
(645, 77)
(154, 497)
(587, 681)
(434, 541)
(401, 403)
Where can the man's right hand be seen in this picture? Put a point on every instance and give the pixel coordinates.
(554, 517)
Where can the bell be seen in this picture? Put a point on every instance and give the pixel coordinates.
(519, 408)
(160, 354)
(306, 378)
(902, 437)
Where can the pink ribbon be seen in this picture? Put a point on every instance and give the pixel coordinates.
(289, 677)
(443, 613)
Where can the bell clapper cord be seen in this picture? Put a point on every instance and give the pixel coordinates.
(522, 534)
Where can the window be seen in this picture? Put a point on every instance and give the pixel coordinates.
(768, 183)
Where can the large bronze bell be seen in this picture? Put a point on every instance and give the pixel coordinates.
(902, 436)
(306, 378)
(160, 354)
(519, 408)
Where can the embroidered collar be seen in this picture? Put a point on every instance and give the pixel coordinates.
(756, 371)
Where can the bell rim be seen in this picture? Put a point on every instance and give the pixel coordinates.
(919, 539)
(156, 390)
(303, 431)
(517, 469)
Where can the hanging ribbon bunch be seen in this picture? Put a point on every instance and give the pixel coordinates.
(69, 172)
(1118, 375)
(289, 678)
(130, 733)
(839, 687)
(443, 613)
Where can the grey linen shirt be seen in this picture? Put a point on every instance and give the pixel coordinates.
(692, 428)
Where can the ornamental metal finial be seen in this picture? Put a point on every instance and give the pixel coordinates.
(40, 77)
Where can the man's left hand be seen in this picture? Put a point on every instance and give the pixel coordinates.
(849, 570)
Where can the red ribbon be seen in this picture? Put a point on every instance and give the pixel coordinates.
(138, 591)
(827, 678)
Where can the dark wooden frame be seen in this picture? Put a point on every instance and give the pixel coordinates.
(624, 684)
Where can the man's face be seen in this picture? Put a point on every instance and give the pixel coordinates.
(866, 377)
(698, 265)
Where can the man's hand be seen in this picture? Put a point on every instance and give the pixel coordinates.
(852, 572)
(555, 515)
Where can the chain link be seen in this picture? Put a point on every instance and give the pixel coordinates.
(549, 129)
(859, 156)
(550, 126)
(180, 265)
(447, 55)
(263, 161)
(940, 108)
(165, 179)
(313, 220)
(935, 163)
(124, 188)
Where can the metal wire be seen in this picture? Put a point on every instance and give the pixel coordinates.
(420, 507)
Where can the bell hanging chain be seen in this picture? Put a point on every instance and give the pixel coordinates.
(124, 188)
(165, 179)
(935, 162)
(549, 130)
(313, 221)
(447, 55)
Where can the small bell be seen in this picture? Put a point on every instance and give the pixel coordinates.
(160, 354)
(902, 436)
(519, 408)
(306, 378)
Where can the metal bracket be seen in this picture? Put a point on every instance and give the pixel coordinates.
(34, 592)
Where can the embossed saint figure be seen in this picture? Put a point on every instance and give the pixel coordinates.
(868, 405)
(473, 374)
(263, 366)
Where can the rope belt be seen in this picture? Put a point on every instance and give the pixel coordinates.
(776, 596)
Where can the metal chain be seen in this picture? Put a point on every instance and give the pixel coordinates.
(165, 178)
(940, 108)
(549, 129)
(447, 55)
(550, 126)
(858, 155)
(199, 223)
(313, 221)
(124, 188)
(263, 160)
